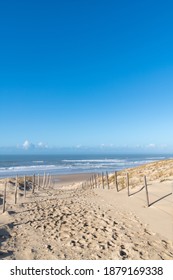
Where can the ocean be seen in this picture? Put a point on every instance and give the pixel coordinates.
(12, 165)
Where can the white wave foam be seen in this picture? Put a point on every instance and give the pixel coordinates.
(75, 166)
(28, 168)
(95, 160)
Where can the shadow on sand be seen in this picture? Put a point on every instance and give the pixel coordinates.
(4, 235)
(137, 191)
(160, 199)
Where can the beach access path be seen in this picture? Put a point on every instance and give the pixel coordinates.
(71, 221)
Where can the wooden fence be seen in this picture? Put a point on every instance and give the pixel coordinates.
(27, 184)
(32, 184)
(103, 181)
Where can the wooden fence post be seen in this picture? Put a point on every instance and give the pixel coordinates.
(107, 179)
(38, 182)
(50, 180)
(48, 176)
(116, 181)
(100, 177)
(15, 194)
(127, 183)
(103, 180)
(4, 199)
(24, 183)
(146, 189)
(33, 183)
(94, 185)
(90, 183)
(44, 177)
(98, 181)
(95, 180)
(47, 181)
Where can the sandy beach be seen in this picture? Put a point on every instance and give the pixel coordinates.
(70, 220)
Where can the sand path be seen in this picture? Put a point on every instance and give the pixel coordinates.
(73, 223)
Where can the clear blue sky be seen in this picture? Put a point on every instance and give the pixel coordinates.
(86, 73)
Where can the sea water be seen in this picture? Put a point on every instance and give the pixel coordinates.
(12, 165)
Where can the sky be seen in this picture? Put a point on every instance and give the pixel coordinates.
(86, 74)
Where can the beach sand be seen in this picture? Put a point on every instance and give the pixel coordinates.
(70, 221)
